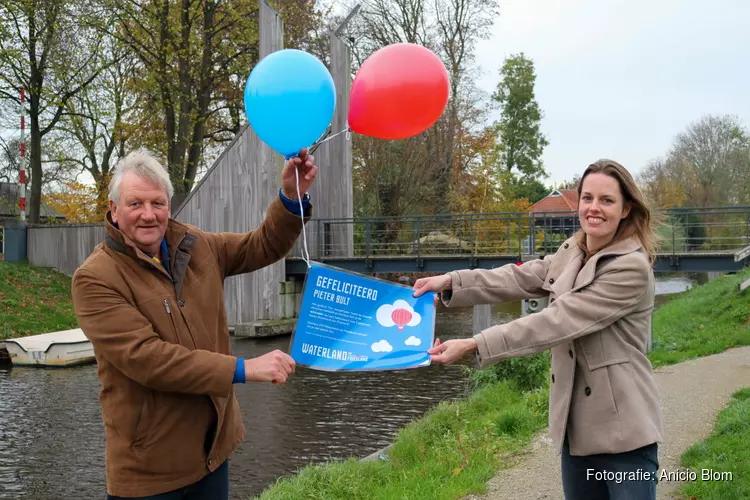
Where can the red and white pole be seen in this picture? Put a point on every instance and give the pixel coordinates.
(22, 151)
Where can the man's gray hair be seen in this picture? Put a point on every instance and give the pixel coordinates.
(144, 165)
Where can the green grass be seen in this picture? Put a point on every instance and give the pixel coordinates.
(454, 449)
(705, 320)
(450, 452)
(33, 300)
(727, 450)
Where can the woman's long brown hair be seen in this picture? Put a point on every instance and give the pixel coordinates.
(638, 223)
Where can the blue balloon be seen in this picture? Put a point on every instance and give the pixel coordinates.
(290, 98)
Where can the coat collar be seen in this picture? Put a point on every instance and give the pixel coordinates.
(588, 272)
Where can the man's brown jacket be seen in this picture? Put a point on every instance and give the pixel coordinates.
(162, 348)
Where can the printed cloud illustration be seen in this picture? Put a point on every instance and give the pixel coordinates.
(413, 341)
(382, 346)
(400, 314)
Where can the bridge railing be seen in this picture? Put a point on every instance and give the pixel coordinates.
(680, 231)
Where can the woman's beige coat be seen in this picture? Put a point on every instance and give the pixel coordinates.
(597, 324)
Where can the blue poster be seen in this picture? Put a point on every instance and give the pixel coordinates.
(348, 321)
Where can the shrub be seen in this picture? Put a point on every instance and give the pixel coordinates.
(528, 372)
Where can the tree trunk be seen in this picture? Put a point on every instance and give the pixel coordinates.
(34, 198)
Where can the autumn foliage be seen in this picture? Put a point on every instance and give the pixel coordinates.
(78, 202)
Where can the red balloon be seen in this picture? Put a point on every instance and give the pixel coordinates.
(401, 317)
(399, 91)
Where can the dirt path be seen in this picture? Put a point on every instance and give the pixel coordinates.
(692, 394)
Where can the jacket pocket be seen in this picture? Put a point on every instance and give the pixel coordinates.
(140, 437)
(606, 362)
(602, 349)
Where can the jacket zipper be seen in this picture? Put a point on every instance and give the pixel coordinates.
(171, 319)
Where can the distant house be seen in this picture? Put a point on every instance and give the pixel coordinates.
(555, 214)
(9, 204)
(559, 200)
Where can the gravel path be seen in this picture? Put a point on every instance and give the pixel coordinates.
(692, 393)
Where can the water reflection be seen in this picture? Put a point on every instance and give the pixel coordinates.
(52, 437)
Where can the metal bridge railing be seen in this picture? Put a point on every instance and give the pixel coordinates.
(521, 234)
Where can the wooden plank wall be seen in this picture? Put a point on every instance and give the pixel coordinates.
(62, 247)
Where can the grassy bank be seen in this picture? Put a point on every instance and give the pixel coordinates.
(33, 300)
(452, 451)
(455, 448)
(725, 451)
(705, 320)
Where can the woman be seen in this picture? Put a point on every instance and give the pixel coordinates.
(604, 411)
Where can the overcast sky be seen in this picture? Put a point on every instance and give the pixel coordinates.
(620, 78)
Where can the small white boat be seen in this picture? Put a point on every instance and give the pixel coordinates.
(57, 349)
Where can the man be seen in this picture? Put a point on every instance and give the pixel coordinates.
(150, 298)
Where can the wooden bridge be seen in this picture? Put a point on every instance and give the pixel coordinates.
(714, 239)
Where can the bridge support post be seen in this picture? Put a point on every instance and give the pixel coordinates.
(531, 306)
(482, 317)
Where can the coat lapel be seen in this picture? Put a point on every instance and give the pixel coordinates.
(588, 272)
(564, 271)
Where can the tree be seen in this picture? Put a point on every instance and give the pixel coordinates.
(521, 142)
(49, 48)
(479, 188)
(450, 28)
(10, 163)
(714, 152)
(707, 165)
(76, 201)
(658, 186)
(529, 189)
(94, 122)
(194, 57)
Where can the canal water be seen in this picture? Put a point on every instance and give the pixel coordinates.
(52, 436)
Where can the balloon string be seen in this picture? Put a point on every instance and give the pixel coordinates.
(305, 252)
(302, 217)
(346, 131)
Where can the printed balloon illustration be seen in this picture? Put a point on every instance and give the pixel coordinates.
(400, 314)
(401, 317)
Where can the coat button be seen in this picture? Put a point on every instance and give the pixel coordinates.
(565, 245)
(551, 280)
(181, 303)
(553, 378)
(587, 391)
(570, 352)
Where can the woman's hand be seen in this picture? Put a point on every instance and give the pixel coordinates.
(450, 351)
(433, 284)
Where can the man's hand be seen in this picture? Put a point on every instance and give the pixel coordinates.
(305, 165)
(274, 367)
(451, 350)
(433, 284)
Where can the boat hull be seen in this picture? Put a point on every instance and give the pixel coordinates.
(52, 350)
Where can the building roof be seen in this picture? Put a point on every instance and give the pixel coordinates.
(559, 200)
(9, 203)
